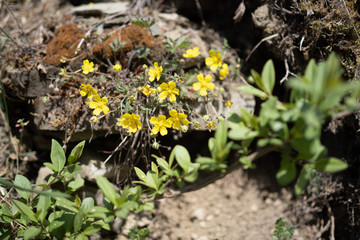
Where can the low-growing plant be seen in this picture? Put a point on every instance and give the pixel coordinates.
(282, 231)
(294, 128)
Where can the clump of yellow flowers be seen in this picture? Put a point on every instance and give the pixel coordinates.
(141, 98)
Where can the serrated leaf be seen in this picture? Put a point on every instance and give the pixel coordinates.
(32, 232)
(76, 152)
(24, 209)
(329, 165)
(23, 182)
(108, 190)
(268, 77)
(252, 91)
(57, 156)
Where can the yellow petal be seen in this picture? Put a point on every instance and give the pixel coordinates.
(163, 131)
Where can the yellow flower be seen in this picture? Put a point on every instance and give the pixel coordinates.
(147, 90)
(99, 105)
(177, 118)
(192, 53)
(63, 60)
(211, 125)
(224, 71)
(91, 3)
(203, 84)
(129, 121)
(229, 104)
(117, 67)
(87, 89)
(87, 67)
(160, 125)
(168, 90)
(62, 72)
(155, 72)
(131, 99)
(214, 61)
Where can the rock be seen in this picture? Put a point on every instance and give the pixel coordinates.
(97, 9)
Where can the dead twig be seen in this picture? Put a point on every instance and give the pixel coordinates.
(17, 22)
(198, 6)
(116, 149)
(261, 41)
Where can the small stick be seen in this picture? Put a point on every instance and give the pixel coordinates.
(203, 23)
(17, 23)
(116, 149)
(257, 45)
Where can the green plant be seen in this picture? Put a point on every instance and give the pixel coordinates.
(48, 213)
(136, 234)
(282, 231)
(294, 128)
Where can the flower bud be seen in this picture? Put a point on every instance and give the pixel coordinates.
(144, 66)
(206, 118)
(155, 145)
(94, 119)
(196, 125)
(184, 128)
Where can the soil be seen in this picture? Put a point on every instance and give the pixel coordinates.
(246, 203)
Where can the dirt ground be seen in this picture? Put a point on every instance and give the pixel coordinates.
(246, 203)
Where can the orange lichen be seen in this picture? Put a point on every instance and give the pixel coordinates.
(63, 44)
(133, 35)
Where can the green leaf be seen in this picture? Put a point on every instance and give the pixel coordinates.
(287, 172)
(329, 165)
(81, 237)
(252, 91)
(65, 204)
(242, 133)
(257, 79)
(32, 232)
(268, 77)
(247, 162)
(78, 220)
(192, 176)
(76, 152)
(75, 184)
(24, 209)
(140, 173)
(5, 233)
(164, 165)
(149, 206)
(154, 168)
(42, 207)
(182, 157)
(221, 135)
(23, 182)
(57, 156)
(152, 180)
(45, 193)
(50, 166)
(303, 180)
(108, 190)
